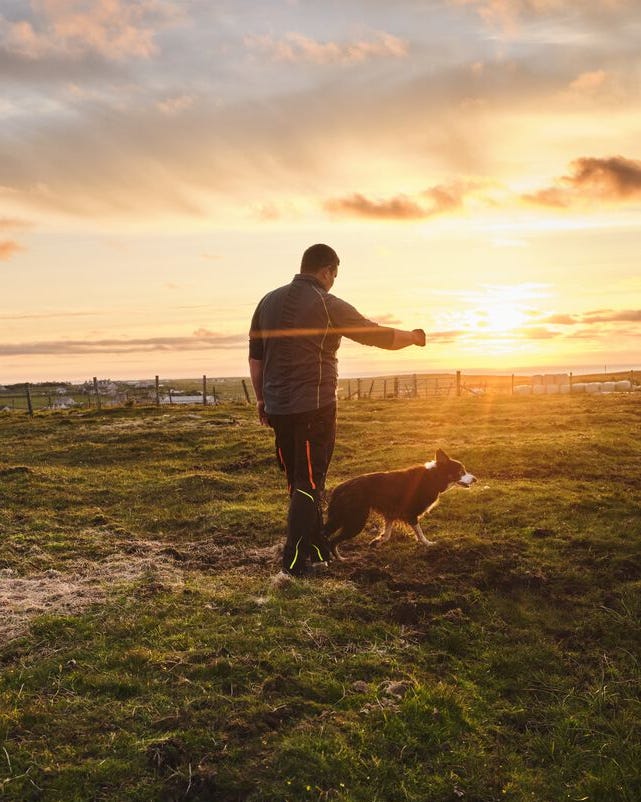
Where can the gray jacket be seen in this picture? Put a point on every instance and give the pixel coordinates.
(296, 331)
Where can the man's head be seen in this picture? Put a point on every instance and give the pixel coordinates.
(322, 262)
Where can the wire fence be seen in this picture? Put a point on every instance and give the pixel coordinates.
(104, 393)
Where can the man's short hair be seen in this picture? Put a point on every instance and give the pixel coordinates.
(316, 257)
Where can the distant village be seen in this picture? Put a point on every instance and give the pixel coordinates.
(67, 395)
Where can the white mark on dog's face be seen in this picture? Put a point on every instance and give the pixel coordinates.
(467, 479)
(429, 465)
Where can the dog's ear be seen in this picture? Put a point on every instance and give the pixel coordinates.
(441, 456)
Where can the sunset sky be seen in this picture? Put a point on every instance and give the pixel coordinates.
(163, 164)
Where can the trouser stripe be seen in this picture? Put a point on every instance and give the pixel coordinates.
(309, 464)
(295, 555)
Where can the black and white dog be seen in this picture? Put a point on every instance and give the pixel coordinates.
(397, 495)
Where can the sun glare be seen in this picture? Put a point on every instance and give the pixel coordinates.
(496, 308)
(502, 317)
(492, 318)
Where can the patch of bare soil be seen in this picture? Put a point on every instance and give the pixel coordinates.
(87, 582)
(406, 570)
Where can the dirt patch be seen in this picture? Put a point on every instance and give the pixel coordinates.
(405, 573)
(223, 554)
(22, 598)
(86, 582)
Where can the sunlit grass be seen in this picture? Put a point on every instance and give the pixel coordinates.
(502, 663)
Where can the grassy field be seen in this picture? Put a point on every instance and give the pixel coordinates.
(147, 655)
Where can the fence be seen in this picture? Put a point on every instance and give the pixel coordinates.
(458, 384)
(105, 393)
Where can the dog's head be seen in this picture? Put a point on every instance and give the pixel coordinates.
(453, 471)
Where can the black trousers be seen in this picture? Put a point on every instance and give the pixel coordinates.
(304, 448)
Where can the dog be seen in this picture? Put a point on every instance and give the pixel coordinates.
(397, 495)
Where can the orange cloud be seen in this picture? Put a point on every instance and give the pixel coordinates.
(433, 201)
(9, 248)
(201, 340)
(115, 29)
(398, 208)
(507, 14)
(613, 179)
(295, 47)
(593, 325)
(10, 223)
(589, 81)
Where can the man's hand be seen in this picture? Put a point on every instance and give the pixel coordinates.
(419, 337)
(262, 416)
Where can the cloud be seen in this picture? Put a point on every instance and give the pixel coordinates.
(296, 47)
(12, 223)
(114, 29)
(48, 315)
(509, 14)
(607, 316)
(397, 208)
(588, 82)
(431, 202)
(594, 325)
(101, 138)
(175, 104)
(200, 341)
(9, 248)
(539, 333)
(561, 320)
(615, 180)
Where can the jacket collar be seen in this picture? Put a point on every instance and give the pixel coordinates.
(310, 278)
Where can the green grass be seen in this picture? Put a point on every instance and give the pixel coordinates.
(500, 664)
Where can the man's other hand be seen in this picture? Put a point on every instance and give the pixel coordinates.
(419, 337)
(262, 416)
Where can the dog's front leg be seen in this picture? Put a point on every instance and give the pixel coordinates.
(384, 535)
(420, 536)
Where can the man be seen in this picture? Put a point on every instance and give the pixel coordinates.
(295, 333)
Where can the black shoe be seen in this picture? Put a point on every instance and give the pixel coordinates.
(316, 569)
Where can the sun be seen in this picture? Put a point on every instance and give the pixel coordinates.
(503, 317)
(500, 308)
(492, 320)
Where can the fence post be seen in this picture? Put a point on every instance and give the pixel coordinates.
(205, 391)
(246, 392)
(213, 392)
(512, 384)
(458, 382)
(157, 391)
(385, 389)
(415, 386)
(29, 404)
(570, 382)
(171, 400)
(95, 389)
(395, 386)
